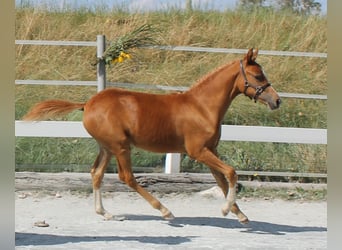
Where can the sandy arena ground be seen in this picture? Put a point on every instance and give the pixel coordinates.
(73, 223)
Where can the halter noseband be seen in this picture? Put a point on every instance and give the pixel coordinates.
(258, 89)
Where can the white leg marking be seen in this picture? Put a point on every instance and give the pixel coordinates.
(99, 206)
(231, 198)
(100, 209)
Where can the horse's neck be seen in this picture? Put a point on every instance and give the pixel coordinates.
(217, 90)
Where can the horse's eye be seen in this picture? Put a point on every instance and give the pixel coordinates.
(260, 77)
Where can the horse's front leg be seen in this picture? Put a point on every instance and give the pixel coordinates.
(222, 171)
(223, 184)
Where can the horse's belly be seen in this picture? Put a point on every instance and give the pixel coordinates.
(160, 145)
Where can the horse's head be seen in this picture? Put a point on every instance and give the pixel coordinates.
(253, 82)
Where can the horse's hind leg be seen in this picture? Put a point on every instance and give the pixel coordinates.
(97, 173)
(126, 175)
(223, 184)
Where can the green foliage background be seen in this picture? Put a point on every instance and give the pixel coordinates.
(266, 29)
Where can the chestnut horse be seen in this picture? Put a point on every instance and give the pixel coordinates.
(187, 122)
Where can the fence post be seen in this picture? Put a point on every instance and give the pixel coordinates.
(101, 66)
(172, 163)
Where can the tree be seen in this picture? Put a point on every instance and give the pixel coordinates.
(188, 6)
(300, 6)
(247, 4)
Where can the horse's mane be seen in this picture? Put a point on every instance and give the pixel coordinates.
(208, 75)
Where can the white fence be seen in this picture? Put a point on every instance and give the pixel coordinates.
(172, 165)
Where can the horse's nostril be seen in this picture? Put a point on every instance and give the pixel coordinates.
(278, 102)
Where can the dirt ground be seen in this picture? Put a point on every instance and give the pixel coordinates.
(73, 223)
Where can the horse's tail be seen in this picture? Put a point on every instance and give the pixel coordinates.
(51, 109)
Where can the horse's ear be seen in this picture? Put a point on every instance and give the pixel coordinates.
(251, 55)
(255, 54)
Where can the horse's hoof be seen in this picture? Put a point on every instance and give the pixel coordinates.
(118, 218)
(224, 212)
(244, 221)
(108, 216)
(168, 216)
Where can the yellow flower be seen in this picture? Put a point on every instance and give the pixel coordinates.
(120, 59)
(125, 55)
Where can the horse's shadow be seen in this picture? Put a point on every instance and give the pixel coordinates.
(27, 239)
(257, 227)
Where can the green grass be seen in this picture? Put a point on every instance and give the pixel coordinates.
(265, 29)
(283, 193)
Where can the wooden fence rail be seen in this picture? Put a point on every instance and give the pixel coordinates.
(172, 165)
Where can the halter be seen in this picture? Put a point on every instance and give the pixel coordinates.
(258, 89)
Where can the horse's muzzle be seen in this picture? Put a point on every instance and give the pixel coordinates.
(275, 105)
